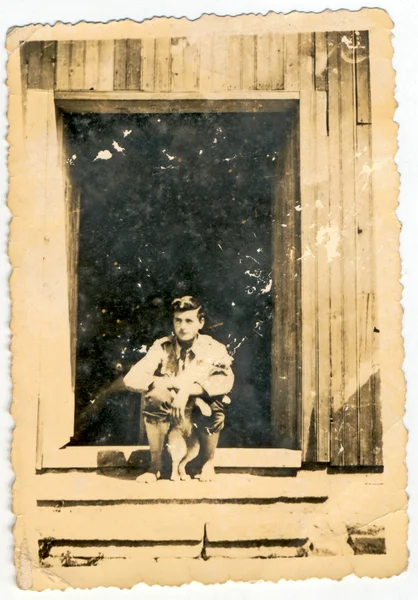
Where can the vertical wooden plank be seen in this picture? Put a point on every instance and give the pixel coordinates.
(377, 416)
(55, 360)
(148, 65)
(205, 64)
(321, 61)
(32, 262)
(348, 116)
(286, 297)
(24, 67)
(185, 65)
(263, 62)
(34, 51)
(365, 299)
(48, 293)
(283, 340)
(277, 61)
(294, 309)
(192, 66)
(73, 245)
(63, 65)
(77, 65)
(234, 53)
(219, 62)
(296, 324)
(133, 64)
(119, 67)
(308, 256)
(377, 432)
(362, 72)
(49, 59)
(162, 64)
(91, 71)
(315, 272)
(177, 64)
(306, 61)
(279, 281)
(324, 256)
(291, 66)
(336, 276)
(71, 199)
(249, 63)
(106, 65)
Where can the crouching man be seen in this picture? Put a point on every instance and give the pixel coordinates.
(184, 370)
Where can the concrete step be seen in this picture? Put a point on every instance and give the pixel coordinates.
(142, 530)
(89, 523)
(88, 518)
(156, 530)
(91, 536)
(85, 518)
(264, 536)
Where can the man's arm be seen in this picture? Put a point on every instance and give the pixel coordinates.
(218, 378)
(142, 375)
(139, 378)
(185, 390)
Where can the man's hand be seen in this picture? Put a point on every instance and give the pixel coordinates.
(172, 383)
(181, 399)
(179, 405)
(169, 383)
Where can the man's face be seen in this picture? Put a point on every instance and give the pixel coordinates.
(187, 325)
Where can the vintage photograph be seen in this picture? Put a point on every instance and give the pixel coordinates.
(205, 301)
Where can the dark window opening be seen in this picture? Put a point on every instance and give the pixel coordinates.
(174, 204)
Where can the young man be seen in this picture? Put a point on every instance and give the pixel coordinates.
(181, 368)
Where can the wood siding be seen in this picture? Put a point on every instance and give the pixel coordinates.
(338, 359)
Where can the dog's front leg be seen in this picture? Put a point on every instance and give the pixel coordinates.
(178, 449)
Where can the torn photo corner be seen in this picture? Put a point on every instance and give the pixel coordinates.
(207, 352)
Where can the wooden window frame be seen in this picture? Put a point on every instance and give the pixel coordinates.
(52, 455)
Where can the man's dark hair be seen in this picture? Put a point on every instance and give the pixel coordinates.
(187, 303)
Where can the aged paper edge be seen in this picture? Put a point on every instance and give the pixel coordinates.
(366, 19)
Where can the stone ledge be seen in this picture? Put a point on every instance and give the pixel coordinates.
(90, 457)
(77, 487)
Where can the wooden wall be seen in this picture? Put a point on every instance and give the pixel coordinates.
(338, 358)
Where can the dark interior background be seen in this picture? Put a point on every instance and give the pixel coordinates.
(185, 208)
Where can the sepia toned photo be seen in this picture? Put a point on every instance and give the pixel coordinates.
(206, 316)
